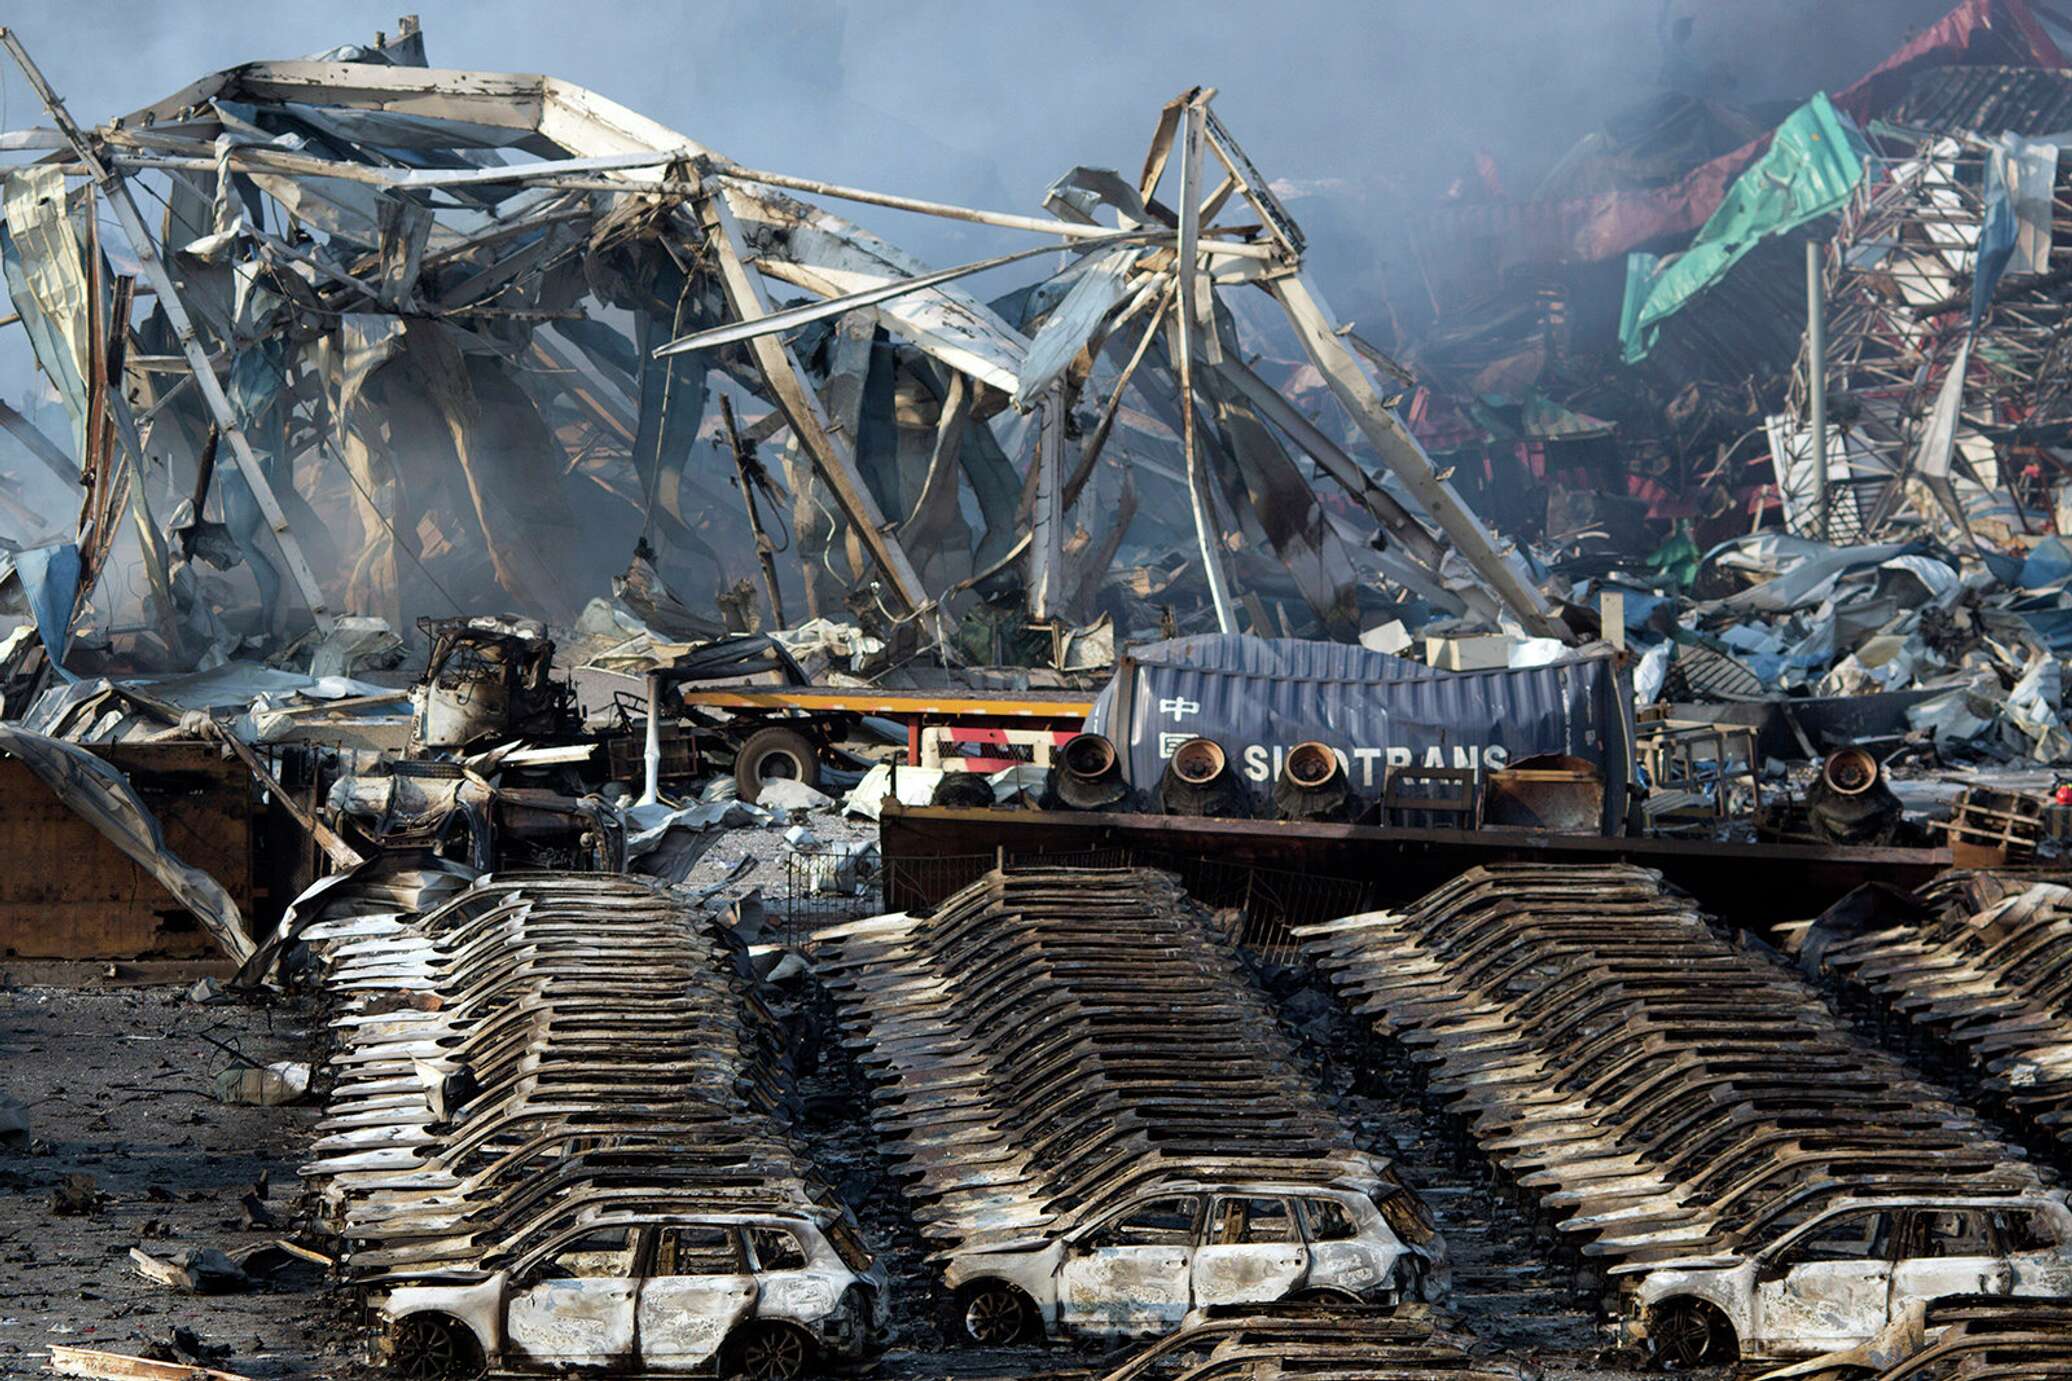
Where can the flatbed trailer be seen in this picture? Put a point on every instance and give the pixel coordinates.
(792, 731)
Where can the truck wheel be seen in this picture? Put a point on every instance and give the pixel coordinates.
(432, 1347)
(768, 754)
(770, 1352)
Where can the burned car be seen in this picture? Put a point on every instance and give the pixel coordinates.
(763, 1296)
(1141, 1268)
(1841, 1275)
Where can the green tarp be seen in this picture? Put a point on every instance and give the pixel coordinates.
(1813, 163)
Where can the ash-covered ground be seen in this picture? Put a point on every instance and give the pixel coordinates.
(126, 1131)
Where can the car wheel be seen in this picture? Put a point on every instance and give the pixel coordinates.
(1687, 1333)
(996, 1313)
(769, 754)
(429, 1347)
(771, 1352)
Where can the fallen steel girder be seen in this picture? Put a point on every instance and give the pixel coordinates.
(1660, 1091)
(1050, 1044)
(1988, 977)
(534, 1052)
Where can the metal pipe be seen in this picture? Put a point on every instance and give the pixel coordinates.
(1816, 379)
(1038, 224)
(651, 757)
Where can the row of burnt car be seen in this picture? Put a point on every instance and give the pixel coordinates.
(556, 1140)
(1099, 1124)
(1744, 1173)
(557, 1135)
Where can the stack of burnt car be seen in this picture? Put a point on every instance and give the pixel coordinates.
(1956, 1338)
(1098, 1123)
(1978, 970)
(1745, 1174)
(556, 1141)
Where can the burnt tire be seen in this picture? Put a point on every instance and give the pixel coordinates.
(994, 1313)
(1688, 1333)
(768, 754)
(433, 1347)
(771, 1352)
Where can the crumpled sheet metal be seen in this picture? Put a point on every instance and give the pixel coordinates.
(1051, 1041)
(1985, 977)
(1662, 1093)
(534, 1049)
(102, 796)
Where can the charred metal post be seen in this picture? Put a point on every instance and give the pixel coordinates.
(651, 753)
(1816, 384)
(1187, 323)
(749, 471)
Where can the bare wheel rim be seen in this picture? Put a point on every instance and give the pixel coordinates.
(1682, 1337)
(993, 1316)
(776, 1355)
(428, 1351)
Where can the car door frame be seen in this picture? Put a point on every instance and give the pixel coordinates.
(1299, 1246)
(513, 1289)
(1999, 1279)
(750, 1296)
(1080, 1318)
(1765, 1339)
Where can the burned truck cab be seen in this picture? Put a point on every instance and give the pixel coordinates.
(489, 676)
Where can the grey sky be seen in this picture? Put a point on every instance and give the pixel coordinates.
(985, 103)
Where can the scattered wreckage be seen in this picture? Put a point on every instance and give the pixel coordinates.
(1097, 1119)
(1709, 1139)
(470, 326)
(555, 1138)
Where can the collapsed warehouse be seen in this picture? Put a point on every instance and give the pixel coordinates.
(730, 801)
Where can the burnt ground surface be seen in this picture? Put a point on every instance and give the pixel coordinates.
(119, 1076)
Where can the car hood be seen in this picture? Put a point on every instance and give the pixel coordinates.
(1725, 1261)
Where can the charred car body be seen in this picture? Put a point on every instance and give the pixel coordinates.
(1143, 1267)
(1840, 1277)
(753, 1295)
(1098, 1118)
